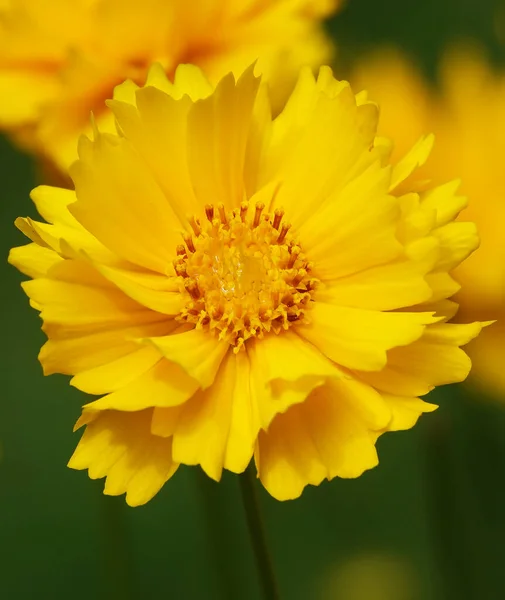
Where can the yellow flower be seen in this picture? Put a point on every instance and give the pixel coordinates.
(237, 286)
(59, 60)
(467, 117)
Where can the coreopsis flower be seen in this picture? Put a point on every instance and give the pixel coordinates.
(236, 287)
(467, 116)
(59, 60)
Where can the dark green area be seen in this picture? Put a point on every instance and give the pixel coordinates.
(435, 505)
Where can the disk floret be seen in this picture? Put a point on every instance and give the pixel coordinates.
(243, 274)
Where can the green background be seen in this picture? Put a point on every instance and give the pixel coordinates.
(427, 524)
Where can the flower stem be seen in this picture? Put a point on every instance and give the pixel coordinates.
(256, 528)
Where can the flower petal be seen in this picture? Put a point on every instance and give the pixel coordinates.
(164, 384)
(444, 201)
(218, 127)
(203, 426)
(114, 375)
(227, 441)
(198, 352)
(385, 287)
(320, 438)
(81, 351)
(165, 420)
(188, 80)
(356, 229)
(284, 370)
(33, 260)
(152, 290)
(244, 423)
(433, 360)
(415, 158)
(52, 203)
(457, 242)
(74, 296)
(358, 338)
(157, 128)
(119, 201)
(120, 447)
(406, 411)
(307, 155)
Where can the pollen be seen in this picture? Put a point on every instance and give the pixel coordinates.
(243, 274)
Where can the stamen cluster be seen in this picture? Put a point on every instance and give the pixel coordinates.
(243, 276)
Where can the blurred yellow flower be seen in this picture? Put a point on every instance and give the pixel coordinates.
(59, 60)
(371, 576)
(239, 286)
(467, 117)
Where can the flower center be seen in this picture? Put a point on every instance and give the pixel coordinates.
(243, 274)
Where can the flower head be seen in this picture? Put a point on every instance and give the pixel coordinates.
(237, 286)
(466, 115)
(60, 60)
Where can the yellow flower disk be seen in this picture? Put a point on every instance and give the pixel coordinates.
(61, 59)
(238, 287)
(467, 116)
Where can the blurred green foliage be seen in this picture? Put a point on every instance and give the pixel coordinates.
(427, 524)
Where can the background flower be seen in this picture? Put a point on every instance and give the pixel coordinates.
(61, 60)
(467, 116)
(301, 318)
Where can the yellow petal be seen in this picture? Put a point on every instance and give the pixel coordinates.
(435, 364)
(152, 290)
(156, 77)
(457, 242)
(164, 384)
(284, 370)
(204, 424)
(119, 201)
(406, 411)
(445, 202)
(114, 375)
(384, 287)
(120, 447)
(320, 438)
(81, 351)
(218, 127)
(364, 401)
(198, 352)
(52, 203)
(189, 80)
(244, 423)
(33, 260)
(258, 140)
(318, 144)
(77, 297)
(287, 458)
(433, 360)
(157, 129)
(359, 339)
(165, 420)
(88, 322)
(415, 158)
(442, 286)
(125, 92)
(446, 309)
(356, 229)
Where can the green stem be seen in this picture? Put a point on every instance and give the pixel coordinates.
(256, 528)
